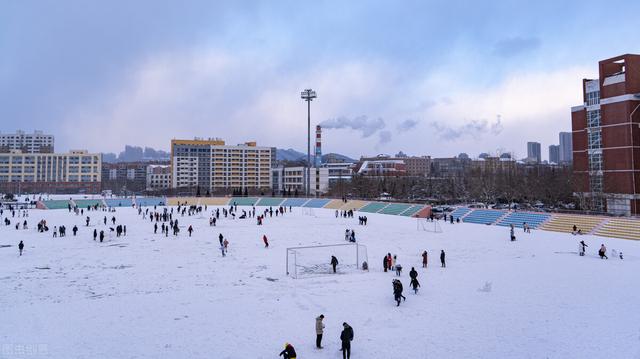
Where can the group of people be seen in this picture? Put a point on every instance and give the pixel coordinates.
(344, 214)
(346, 337)
(350, 235)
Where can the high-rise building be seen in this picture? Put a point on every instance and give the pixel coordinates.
(606, 138)
(73, 172)
(534, 152)
(554, 154)
(566, 147)
(36, 142)
(211, 164)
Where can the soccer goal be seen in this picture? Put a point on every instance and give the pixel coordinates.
(315, 261)
(308, 212)
(426, 225)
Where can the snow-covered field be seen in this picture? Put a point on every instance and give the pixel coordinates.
(148, 296)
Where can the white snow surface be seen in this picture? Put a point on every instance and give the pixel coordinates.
(147, 296)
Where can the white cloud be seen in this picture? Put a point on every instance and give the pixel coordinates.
(240, 98)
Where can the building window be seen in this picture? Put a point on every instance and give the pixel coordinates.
(595, 161)
(593, 118)
(595, 139)
(593, 98)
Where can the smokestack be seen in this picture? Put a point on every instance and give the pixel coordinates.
(318, 159)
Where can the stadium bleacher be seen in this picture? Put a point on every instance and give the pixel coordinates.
(269, 202)
(460, 211)
(56, 204)
(412, 210)
(483, 216)
(316, 203)
(214, 201)
(118, 202)
(243, 201)
(395, 208)
(565, 223)
(373, 207)
(620, 228)
(84, 203)
(533, 220)
(150, 201)
(294, 202)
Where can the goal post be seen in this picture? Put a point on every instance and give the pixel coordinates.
(314, 261)
(426, 225)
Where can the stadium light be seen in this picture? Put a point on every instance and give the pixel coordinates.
(308, 95)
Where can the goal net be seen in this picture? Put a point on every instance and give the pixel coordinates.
(308, 212)
(426, 225)
(314, 261)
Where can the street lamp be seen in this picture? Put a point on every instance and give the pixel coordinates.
(633, 163)
(308, 95)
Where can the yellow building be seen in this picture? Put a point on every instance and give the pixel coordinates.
(212, 164)
(76, 171)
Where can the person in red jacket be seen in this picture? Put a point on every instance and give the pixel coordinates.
(266, 242)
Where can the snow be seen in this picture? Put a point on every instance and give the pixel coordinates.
(147, 296)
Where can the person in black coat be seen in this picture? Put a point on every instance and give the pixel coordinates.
(442, 262)
(413, 274)
(21, 247)
(346, 337)
(385, 263)
(289, 352)
(334, 263)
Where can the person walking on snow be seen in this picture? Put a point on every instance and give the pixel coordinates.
(319, 331)
(582, 247)
(334, 263)
(266, 242)
(385, 263)
(20, 247)
(603, 252)
(190, 230)
(413, 274)
(442, 262)
(424, 259)
(346, 337)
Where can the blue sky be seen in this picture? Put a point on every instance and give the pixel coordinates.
(424, 77)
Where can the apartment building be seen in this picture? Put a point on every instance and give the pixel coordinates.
(158, 177)
(212, 164)
(73, 172)
(292, 179)
(36, 142)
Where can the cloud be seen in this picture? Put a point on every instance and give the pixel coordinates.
(366, 126)
(515, 46)
(474, 128)
(384, 137)
(407, 125)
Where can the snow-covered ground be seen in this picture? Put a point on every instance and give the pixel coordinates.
(147, 296)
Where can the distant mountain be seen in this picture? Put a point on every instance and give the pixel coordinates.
(336, 157)
(289, 155)
(292, 155)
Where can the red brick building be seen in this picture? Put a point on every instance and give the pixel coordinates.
(606, 138)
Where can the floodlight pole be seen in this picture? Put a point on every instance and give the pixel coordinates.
(308, 95)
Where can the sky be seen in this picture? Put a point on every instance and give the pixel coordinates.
(423, 77)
